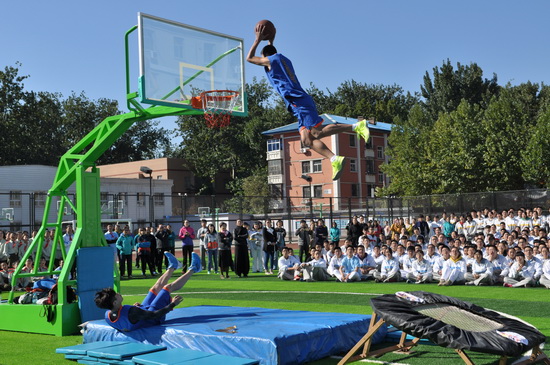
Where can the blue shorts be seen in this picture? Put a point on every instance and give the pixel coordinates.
(154, 302)
(305, 110)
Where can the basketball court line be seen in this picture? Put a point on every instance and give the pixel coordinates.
(263, 292)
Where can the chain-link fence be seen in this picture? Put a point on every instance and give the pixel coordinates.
(25, 211)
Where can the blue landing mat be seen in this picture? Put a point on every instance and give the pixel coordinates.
(272, 336)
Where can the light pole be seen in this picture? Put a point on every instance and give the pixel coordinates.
(308, 179)
(147, 170)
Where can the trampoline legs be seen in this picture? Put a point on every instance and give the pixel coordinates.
(466, 358)
(366, 342)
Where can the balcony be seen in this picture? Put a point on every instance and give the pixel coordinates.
(275, 179)
(274, 155)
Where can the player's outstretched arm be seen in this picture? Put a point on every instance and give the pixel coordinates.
(252, 58)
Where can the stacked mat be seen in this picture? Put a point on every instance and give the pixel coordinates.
(131, 353)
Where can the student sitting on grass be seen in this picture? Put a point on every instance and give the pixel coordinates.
(482, 271)
(350, 269)
(316, 269)
(157, 303)
(335, 263)
(389, 270)
(421, 271)
(288, 266)
(453, 269)
(521, 273)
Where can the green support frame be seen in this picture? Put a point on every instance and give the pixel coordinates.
(77, 166)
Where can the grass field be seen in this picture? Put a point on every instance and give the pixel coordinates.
(264, 291)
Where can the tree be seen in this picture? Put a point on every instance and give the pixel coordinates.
(39, 127)
(352, 99)
(506, 125)
(410, 164)
(534, 157)
(455, 151)
(29, 122)
(449, 87)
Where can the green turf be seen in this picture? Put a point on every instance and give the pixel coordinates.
(260, 290)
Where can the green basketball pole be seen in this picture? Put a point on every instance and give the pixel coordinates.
(77, 166)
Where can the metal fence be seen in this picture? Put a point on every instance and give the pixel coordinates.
(26, 210)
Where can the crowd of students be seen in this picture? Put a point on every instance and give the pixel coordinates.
(478, 248)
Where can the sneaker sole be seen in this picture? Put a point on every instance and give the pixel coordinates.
(339, 173)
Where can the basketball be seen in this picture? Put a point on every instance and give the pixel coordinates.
(269, 30)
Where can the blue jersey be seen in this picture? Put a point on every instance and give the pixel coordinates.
(152, 302)
(282, 77)
(122, 323)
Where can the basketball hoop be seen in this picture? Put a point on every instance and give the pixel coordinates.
(218, 106)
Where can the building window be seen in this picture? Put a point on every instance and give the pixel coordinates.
(368, 144)
(140, 199)
(104, 198)
(353, 165)
(380, 152)
(276, 191)
(370, 167)
(352, 140)
(123, 197)
(158, 198)
(318, 191)
(274, 145)
(15, 198)
(370, 191)
(355, 190)
(306, 167)
(306, 191)
(380, 177)
(317, 166)
(39, 198)
(159, 177)
(274, 167)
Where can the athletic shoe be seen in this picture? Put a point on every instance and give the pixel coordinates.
(507, 285)
(174, 262)
(469, 283)
(362, 130)
(338, 167)
(195, 263)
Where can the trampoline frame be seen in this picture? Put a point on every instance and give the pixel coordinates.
(404, 347)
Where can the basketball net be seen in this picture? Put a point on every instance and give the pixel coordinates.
(218, 106)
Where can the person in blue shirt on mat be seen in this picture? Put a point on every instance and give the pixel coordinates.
(281, 75)
(155, 306)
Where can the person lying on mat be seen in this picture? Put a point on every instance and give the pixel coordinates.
(155, 306)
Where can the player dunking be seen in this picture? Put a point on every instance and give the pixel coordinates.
(282, 77)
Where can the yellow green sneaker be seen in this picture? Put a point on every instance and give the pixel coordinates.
(338, 167)
(362, 130)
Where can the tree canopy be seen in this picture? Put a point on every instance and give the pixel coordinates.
(39, 127)
(469, 134)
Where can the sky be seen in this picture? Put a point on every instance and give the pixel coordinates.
(78, 46)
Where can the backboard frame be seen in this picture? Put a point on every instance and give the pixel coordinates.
(148, 97)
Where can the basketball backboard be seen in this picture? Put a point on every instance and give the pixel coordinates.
(179, 61)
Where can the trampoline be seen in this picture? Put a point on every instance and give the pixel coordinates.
(452, 323)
